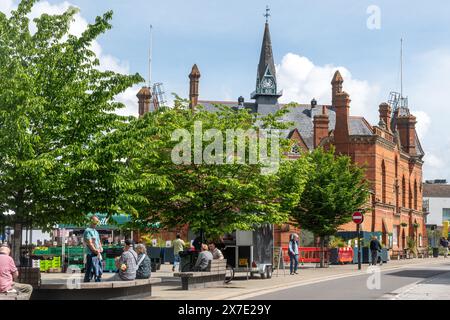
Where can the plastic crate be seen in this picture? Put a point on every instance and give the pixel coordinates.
(55, 250)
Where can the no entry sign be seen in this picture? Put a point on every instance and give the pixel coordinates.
(358, 217)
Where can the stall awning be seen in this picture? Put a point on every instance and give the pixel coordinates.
(119, 220)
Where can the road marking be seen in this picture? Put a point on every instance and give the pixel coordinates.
(260, 292)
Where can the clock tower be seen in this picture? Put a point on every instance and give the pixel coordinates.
(266, 81)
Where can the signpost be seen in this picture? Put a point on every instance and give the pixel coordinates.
(358, 218)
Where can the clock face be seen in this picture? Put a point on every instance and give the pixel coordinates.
(267, 83)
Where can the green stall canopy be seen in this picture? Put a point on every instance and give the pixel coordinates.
(119, 221)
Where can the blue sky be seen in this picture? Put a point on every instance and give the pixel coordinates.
(310, 40)
(223, 37)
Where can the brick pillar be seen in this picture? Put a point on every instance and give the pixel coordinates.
(321, 122)
(194, 78)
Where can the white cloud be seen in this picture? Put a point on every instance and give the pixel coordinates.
(302, 80)
(129, 99)
(423, 123)
(428, 90)
(6, 6)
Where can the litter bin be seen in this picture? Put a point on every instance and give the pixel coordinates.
(435, 252)
(188, 259)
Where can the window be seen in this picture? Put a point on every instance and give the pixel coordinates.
(295, 149)
(403, 192)
(383, 182)
(396, 167)
(410, 198)
(395, 236)
(445, 214)
(415, 195)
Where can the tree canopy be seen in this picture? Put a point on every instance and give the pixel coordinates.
(335, 188)
(54, 105)
(213, 197)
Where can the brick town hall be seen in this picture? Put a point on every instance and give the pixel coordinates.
(390, 150)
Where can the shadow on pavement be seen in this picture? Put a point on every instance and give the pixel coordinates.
(416, 273)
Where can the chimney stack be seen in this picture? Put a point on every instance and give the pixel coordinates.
(342, 131)
(144, 97)
(194, 77)
(385, 115)
(321, 122)
(407, 129)
(336, 85)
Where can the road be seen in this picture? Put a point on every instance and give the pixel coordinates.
(408, 282)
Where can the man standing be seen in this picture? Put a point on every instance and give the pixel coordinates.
(178, 246)
(293, 253)
(127, 264)
(94, 251)
(8, 273)
(375, 247)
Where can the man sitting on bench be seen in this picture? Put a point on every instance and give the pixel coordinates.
(8, 273)
(203, 259)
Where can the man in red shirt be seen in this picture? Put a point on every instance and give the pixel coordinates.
(8, 273)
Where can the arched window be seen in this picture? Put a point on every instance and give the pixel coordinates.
(403, 192)
(383, 182)
(415, 194)
(410, 196)
(396, 167)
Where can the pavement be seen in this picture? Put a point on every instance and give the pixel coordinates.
(334, 282)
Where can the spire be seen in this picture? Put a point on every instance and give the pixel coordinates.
(266, 57)
(266, 80)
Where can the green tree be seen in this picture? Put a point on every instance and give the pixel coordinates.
(55, 104)
(335, 188)
(209, 197)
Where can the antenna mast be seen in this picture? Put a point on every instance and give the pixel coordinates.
(150, 58)
(401, 68)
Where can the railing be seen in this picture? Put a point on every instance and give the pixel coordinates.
(308, 255)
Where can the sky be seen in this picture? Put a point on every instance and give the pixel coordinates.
(311, 39)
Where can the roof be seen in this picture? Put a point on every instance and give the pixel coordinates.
(302, 118)
(436, 190)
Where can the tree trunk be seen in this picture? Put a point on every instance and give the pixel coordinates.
(17, 242)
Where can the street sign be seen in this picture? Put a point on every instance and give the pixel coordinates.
(358, 217)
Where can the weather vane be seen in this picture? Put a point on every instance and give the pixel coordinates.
(267, 15)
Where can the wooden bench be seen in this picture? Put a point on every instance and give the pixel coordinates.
(215, 275)
(106, 290)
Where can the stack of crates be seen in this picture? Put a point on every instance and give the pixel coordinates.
(56, 262)
(45, 265)
(110, 265)
(75, 257)
(41, 250)
(57, 251)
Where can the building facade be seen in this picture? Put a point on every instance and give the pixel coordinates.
(436, 198)
(390, 151)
